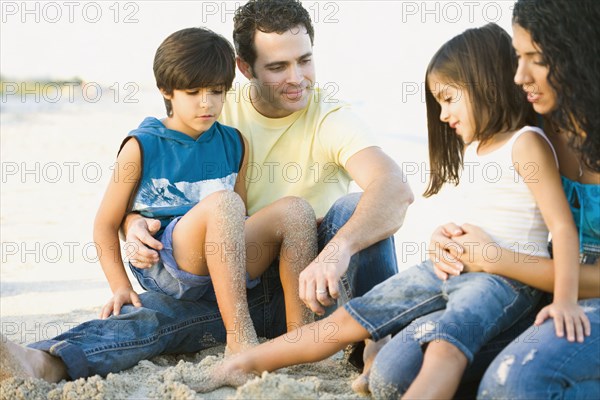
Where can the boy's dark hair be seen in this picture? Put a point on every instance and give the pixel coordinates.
(568, 34)
(482, 63)
(193, 58)
(267, 16)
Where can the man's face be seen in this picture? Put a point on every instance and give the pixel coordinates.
(283, 74)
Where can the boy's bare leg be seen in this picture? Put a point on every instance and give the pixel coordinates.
(289, 226)
(440, 375)
(210, 240)
(23, 362)
(310, 343)
(361, 384)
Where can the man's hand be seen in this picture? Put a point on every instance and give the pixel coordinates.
(121, 297)
(141, 247)
(319, 282)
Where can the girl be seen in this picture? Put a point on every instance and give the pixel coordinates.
(475, 115)
(558, 42)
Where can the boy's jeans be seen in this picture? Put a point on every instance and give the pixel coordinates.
(165, 325)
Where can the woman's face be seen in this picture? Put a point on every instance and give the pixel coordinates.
(532, 72)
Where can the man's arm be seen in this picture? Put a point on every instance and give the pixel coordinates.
(382, 207)
(378, 215)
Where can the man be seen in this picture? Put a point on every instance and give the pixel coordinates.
(300, 145)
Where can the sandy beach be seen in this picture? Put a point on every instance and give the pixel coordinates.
(56, 162)
(57, 155)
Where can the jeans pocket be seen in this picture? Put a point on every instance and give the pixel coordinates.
(147, 282)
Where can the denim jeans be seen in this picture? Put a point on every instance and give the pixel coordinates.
(392, 374)
(164, 325)
(476, 307)
(540, 365)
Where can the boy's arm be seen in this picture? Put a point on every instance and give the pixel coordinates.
(240, 184)
(535, 163)
(108, 220)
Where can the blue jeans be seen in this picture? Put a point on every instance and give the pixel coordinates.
(399, 361)
(165, 325)
(540, 365)
(477, 306)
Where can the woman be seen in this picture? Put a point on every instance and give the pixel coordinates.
(558, 43)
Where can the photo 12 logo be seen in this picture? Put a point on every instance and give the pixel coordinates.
(53, 12)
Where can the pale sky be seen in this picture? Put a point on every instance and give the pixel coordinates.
(370, 52)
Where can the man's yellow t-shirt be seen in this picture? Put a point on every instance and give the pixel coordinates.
(301, 155)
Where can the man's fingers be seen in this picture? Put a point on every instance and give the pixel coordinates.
(334, 287)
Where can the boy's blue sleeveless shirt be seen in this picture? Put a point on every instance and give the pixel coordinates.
(178, 171)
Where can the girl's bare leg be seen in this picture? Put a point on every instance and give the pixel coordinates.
(209, 240)
(310, 343)
(288, 228)
(440, 375)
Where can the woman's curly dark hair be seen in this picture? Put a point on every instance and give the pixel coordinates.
(568, 33)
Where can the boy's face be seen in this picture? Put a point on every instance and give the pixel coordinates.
(195, 110)
(283, 73)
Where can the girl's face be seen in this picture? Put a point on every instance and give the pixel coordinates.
(532, 72)
(456, 106)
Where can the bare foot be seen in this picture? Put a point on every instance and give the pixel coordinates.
(18, 361)
(236, 348)
(361, 384)
(228, 372)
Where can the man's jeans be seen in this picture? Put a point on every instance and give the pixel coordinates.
(164, 325)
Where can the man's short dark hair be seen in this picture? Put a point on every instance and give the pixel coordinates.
(193, 58)
(266, 16)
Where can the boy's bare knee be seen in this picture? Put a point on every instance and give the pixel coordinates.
(225, 201)
(297, 208)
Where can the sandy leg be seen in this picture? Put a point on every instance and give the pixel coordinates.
(17, 361)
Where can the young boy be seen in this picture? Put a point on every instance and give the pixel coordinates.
(187, 171)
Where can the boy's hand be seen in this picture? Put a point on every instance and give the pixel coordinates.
(120, 297)
(566, 315)
(141, 246)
